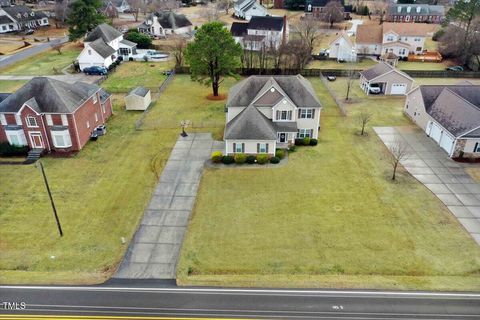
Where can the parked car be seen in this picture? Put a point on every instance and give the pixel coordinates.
(375, 88)
(102, 71)
(455, 68)
(101, 130)
(29, 32)
(331, 78)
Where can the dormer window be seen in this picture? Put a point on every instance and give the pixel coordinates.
(399, 9)
(419, 9)
(32, 13)
(19, 15)
(389, 38)
(409, 9)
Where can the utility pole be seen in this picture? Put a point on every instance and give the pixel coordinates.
(51, 198)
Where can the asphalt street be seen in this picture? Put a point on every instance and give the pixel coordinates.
(134, 299)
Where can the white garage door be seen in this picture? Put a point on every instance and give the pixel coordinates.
(446, 143)
(398, 88)
(435, 132)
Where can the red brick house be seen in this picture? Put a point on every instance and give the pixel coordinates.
(52, 115)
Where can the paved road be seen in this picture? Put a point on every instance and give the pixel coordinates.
(447, 179)
(128, 299)
(155, 248)
(30, 51)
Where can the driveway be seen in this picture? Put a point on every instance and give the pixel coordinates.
(447, 179)
(353, 28)
(155, 248)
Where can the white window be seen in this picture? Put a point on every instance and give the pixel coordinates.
(306, 114)
(16, 137)
(103, 108)
(61, 139)
(64, 120)
(88, 124)
(49, 119)
(96, 117)
(262, 148)
(305, 133)
(18, 120)
(31, 122)
(284, 115)
(389, 38)
(95, 98)
(3, 121)
(238, 147)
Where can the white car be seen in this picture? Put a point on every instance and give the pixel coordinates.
(375, 89)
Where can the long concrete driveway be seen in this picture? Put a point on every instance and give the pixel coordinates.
(155, 248)
(447, 179)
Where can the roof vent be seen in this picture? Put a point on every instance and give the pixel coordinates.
(272, 89)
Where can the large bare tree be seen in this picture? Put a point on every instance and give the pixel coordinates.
(333, 12)
(136, 6)
(309, 30)
(178, 50)
(460, 42)
(224, 5)
(398, 152)
(61, 12)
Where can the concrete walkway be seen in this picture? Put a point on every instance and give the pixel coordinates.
(447, 179)
(155, 248)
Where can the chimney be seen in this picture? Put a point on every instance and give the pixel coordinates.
(284, 35)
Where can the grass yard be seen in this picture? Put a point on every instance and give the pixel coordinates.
(43, 63)
(132, 74)
(405, 65)
(330, 218)
(11, 85)
(431, 81)
(333, 64)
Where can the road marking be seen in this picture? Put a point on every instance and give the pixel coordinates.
(329, 293)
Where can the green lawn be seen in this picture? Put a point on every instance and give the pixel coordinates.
(43, 63)
(10, 85)
(333, 64)
(405, 65)
(132, 74)
(330, 218)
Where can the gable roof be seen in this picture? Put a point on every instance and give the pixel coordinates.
(23, 13)
(266, 23)
(297, 88)
(103, 31)
(239, 29)
(425, 9)
(5, 19)
(321, 3)
(250, 124)
(455, 113)
(103, 49)
(172, 20)
(345, 36)
(369, 33)
(49, 96)
(409, 29)
(139, 91)
(389, 56)
(379, 69)
(4, 96)
(430, 93)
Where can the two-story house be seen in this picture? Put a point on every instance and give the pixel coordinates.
(103, 45)
(163, 23)
(246, 9)
(52, 115)
(415, 13)
(269, 112)
(17, 18)
(261, 32)
(400, 39)
(316, 8)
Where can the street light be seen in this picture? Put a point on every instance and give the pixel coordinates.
(39, 164)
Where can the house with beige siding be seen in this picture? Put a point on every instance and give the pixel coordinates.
(390, 80)
(450, 115)
(269, 112)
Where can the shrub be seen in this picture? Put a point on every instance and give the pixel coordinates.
(142, 40)
(280, 153)
(130, 59)
(299, 142)
(313, 142)
(240, 158)
(6, 149)
(274, 160)
(292, 149)
(228, 160)
(305, 141)
(216, 156)
(262, 158)
(251, 159)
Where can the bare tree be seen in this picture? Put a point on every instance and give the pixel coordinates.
(351, 75)
(297, 54)
(179, 46)
(380, 7)
(58, 48)
(211, 13)
(461, 43)
(162, 5)
(364, 117)
(224, 5)
(61, 12)
(398, 152)
(309, 30)
(136, 7)
(333, 12)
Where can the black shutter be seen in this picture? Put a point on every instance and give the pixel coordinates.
(234, 147)
(243, 147)
(258, 147)
(476, 147)
(299, 112)
(267, 148)
(313, 113)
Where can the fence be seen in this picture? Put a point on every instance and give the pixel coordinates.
(153, 124)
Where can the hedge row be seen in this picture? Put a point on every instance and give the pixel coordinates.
(8, 150)
(241, 158)
(306, 142)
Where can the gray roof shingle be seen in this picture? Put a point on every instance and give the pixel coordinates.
(139, 91)
(377, 70)
(48, 95)
(172, 20)
(250, 124)
(102, 48)
(103, 31)
(23, 13)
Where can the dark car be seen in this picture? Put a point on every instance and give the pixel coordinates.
(455, 68)
(95, 70)
(331, 78)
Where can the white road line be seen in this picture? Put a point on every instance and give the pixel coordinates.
(247, 311)
(328, 293)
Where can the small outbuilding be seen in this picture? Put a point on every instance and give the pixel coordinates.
(390, 80)
(138, 99)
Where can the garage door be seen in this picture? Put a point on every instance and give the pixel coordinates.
(399, 88)
(435, 132)
(446, 143)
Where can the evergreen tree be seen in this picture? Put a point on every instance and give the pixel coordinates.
(83, 17)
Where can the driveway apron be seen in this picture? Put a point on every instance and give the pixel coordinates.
(155, 248)
(447, 179)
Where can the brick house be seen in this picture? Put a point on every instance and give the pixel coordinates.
(52, 115)
(415, 13)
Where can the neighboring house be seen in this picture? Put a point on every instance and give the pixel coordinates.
(122, 6)
(269, 112)
(261, 32)
(450, 115)
(342, 49)
(400, 39)
(138, 98)
(161, 24)
(415, 13)
(17, 18)
(53, 115)
(246, 9)
(5, 3)
(103, 45)
(390, 80)
(109, 10)
(316, 8)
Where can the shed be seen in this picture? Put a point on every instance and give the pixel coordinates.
(138, 99)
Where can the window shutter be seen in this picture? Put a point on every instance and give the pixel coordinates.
(313, 113)
(475, 149)
(234, 147)
(299, 113)
(258, 147)
(311, 133)
(243, 147)
(289, 115)
(266, 147)
(278, 115)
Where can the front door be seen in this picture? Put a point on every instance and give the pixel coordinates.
(37, 141)
(283, 137)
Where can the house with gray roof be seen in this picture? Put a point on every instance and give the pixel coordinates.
(415, 13)
(17, 18)
(246, 9)
(389, 79)
(52, 115)
(163, 23)
(449, 114)
(103, 46)
(269, 112)
(261, 32)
